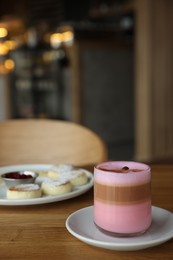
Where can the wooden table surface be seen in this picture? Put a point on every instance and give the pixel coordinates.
(39, 232)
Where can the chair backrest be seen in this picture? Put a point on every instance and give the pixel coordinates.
(44, 141)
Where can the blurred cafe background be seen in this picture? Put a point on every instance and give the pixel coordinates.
(105, 64)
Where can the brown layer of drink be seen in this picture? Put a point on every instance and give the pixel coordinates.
(122, 194)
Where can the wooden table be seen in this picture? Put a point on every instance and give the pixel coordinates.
(38, 232)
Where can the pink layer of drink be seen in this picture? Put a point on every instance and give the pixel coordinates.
(131, 219)
(128, 218)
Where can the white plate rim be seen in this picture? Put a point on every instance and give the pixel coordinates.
(45, 199)
(123, 246)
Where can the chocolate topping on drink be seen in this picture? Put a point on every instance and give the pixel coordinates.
(124, 169)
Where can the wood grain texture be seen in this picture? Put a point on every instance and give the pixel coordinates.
(143, 80)
(153, 80)
(49, 141)
(38, 232)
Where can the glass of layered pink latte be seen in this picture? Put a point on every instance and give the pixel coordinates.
(122, 197)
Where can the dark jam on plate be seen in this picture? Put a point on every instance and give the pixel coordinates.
(17, 175)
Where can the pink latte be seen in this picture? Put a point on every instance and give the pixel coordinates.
(122, 199)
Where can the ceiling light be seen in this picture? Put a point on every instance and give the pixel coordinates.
(3, 32)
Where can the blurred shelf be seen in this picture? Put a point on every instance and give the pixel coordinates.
(113, 10)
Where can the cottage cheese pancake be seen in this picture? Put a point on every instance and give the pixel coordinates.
(56, 171)
(24, 191)
(56, 187)
(78, 177)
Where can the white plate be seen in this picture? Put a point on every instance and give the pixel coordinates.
(81, 225)
(44, 199)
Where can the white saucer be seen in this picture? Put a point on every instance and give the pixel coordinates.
(81, 225)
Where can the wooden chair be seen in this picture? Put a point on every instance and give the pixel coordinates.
(42, 141)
